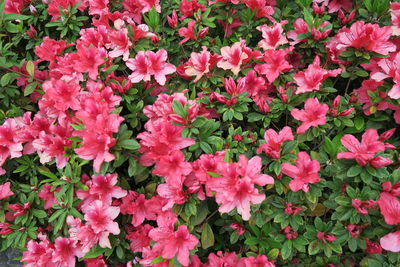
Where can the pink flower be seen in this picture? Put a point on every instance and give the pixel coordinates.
(326, 238)
(305, 172)
(389, 68)
(312, 78)
(260, 260)
(177, 243)
(96, 147)
(149, 63)
(233, 57)
(188, 33)
(362, 207)
(104, 186)
(188, 8)
(263, 8)
(119, 42)
(275, 64)
(335, 5)
(100, 217)
(38, 254)
(274, 140)
(390, 208)
(172, 166)
(364, 151)
(49, 49)
(314, 114)
(395, 14)
(200, 64)
(235, 187)
(89, 59)
(272, 36)
(366, 37)
(9, 146)
(63, 94)
(290, 233)
(290, 209)
(5, 191)
(65, 251)
(173, 20)
(300, 27)
(391, 242)
(48, 196)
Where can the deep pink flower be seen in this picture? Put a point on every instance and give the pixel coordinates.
(335, 5)
(89, 59)
(239, 228)
(275, 64)
(274, 141)
(172, 166)
(290, 233)
(5, 191)
(272, 36)
(389, 68)
(38, 254)
(312, 115)
(173, 20)
(49, 49)
(178, 243)
(148, 63)
(390, 208)
(65, 251)
(300, 27)
(312, 78)
(326, 238)
(290, 209)
(119, 42)
(391, 242)
(139, 237)
(303, 173)
(362, 207)
(63, 94)
(189, 7)
(364, 151)
(263, 8)
(372, 247)
(48, 196)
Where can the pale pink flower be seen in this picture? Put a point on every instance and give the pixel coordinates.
(5, 191)
(233, 57)
(272, 36)
(391, 242)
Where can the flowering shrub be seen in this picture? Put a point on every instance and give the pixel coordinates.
(200, 133)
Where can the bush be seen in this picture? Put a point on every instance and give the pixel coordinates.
(195, 133)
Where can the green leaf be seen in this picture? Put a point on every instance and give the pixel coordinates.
(30, 88)
(39, 213)
(13, 16)
(46, 172)
(354, 171)
(130, 144)
(286, 249)
(251, 241)
(206, 147)
(95, 252)
(207, 237)
(352, 244)
(30, 68)
(313, 247)
(111, 69)
(178, 108)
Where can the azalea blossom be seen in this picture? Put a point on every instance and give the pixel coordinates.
(395, 14)
(200, 64)
(148, 63)
(274, 141)
(272, 36)
(303, 173)
(174, 243)
(363, 151)
(5, 191)
(391, 242)
(312, 115)
(312, 78)
(275, 64)
(233, 57)
(389, 206)
(235, 187)
(65, 251)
